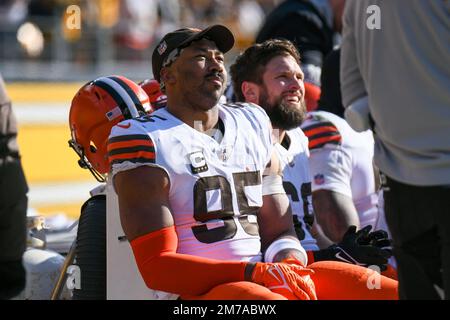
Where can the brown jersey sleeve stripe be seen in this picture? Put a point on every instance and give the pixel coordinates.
(311, 132)
(324, 134)
(320, 142)
(139, 154)
(131, 150)
(129, 137)
(318, 125)
(129, 144)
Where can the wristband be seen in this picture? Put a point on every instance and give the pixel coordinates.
(282, 244)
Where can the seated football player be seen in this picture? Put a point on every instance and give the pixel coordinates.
(345, 182)
(269, 74)
(194, 202)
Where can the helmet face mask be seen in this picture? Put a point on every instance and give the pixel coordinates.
(96, 108)
(84, 163)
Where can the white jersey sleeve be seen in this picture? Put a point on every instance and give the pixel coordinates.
(130, 146)
(341, 161)
(260, 121)
(331, 169)
(330, 163)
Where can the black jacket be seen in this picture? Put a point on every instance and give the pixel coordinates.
(300, 22)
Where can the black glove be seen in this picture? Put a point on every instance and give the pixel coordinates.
(378, 238)
(363, 248)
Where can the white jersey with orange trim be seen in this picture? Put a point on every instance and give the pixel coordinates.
(215, 187)
(297, 184)
(341, 161)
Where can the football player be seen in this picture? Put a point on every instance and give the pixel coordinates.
(345, 182)
(269, 74)
(193, 199)
(345, 188)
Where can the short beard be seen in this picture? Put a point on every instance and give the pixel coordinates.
(282, 115)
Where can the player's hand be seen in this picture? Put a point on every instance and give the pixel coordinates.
(361, 247)
(290, 280)
(377, 238)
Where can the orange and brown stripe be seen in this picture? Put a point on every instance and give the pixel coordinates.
(322, 133)
(134, 148)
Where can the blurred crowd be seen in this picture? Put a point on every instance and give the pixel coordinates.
(47, 30)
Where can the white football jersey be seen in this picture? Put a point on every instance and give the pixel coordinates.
(341, 161)
(297, 184)
(215, 187)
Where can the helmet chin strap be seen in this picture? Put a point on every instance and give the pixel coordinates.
(97, 175)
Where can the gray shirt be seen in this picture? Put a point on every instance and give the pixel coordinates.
(404, 69)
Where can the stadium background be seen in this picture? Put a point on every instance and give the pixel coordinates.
(44, 63)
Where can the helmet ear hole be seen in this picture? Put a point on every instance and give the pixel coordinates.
(92, 147)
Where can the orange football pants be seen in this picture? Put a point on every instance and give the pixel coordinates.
(333, 281)
(390, 272)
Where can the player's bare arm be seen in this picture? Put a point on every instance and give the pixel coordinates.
(143, 200)
(275, 216)
(335, 212)
(322, 240)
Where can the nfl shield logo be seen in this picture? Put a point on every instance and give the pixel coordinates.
(162, 47)
(319, 179)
